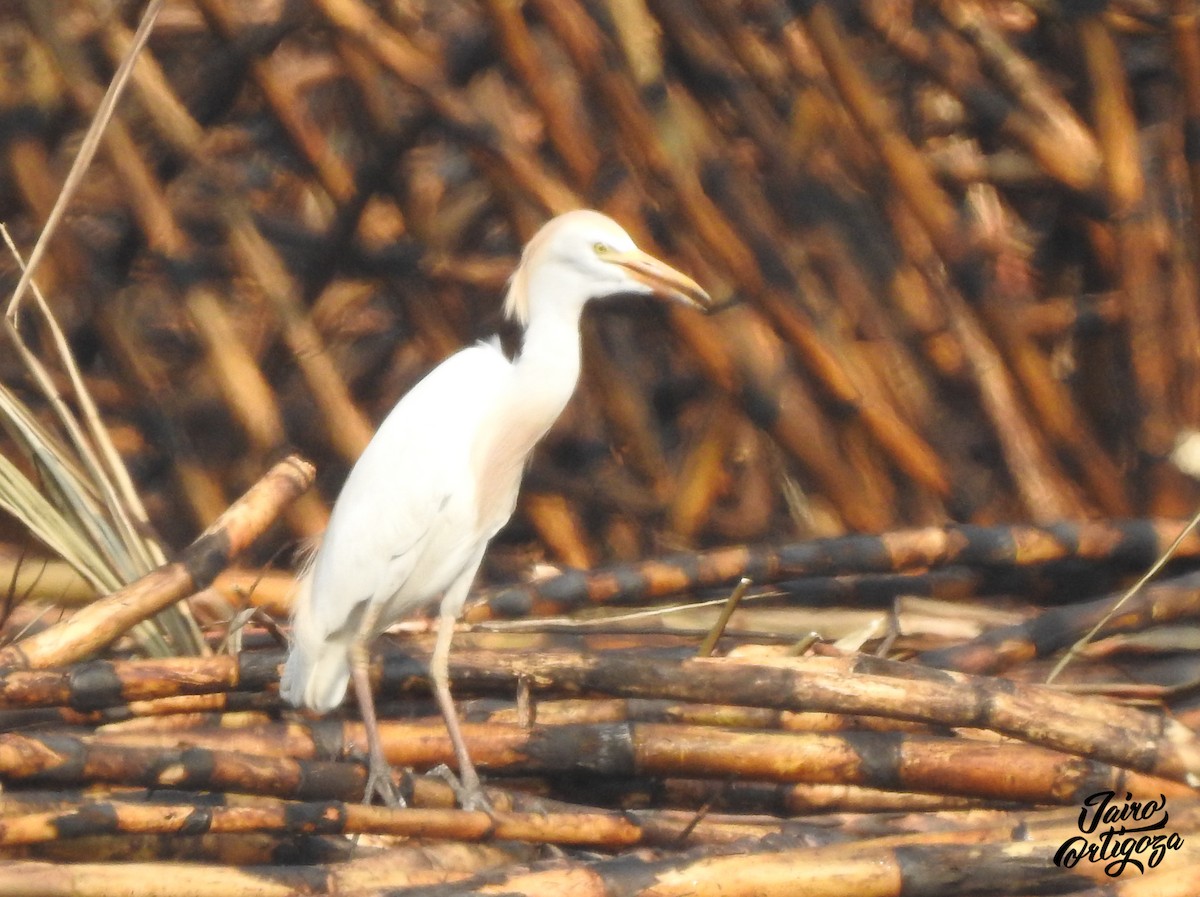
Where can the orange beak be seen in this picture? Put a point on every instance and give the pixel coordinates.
(665, 282)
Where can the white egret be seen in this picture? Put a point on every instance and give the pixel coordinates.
(441, 476)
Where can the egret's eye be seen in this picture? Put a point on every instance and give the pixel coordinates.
(601, 248)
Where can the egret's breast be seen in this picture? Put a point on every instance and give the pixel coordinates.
(526, 405)
(498, 464)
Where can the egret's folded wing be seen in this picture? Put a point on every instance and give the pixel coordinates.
(404, 516)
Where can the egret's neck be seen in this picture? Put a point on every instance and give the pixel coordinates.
(548, 364)
(544, 376)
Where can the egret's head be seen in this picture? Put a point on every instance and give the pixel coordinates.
(585, 255)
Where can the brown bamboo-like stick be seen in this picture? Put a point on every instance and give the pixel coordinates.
(349, 430)
(247, 392)
(789, 403)
(28, 166)
(38, 578)
(919, 763)
(595, 829)
(883, 352)
(407, 62)
(149, 879)
(176, 711)
(422, 864)
(905, 165)
(573, 711)
(1065, 147)
(1042, 121)
(557, 824)
(332, 172)
(1005, 168)
(884, 867)
(244, 387)
(65, 760)
(1185, 44)
(1045, 491)
(1049, 397)
(356, 866)
(559, 527)
(1131, 544)
(767, 69)
(626, 407)
(1098, 729)
(1137, 265)
(203, 493)
(264, 588)
(587, 49)
(795, 799)
(229, 850)
(1059, 316)
(1057, 628)
(1116, 125)
(853, 388)
(1183, 282)
(571, 718)
(102, 622)
(149, 83)
(915, 299)
(521, 51)
(686, 27)
(700, 478)
(783, 404)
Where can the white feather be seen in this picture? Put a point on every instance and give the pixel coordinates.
(404, 525)
(441, 475)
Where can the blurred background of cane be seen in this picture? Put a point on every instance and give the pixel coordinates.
(960, 237)
(956, 242)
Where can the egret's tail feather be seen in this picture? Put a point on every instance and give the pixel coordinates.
(317, 671)
(316, 680)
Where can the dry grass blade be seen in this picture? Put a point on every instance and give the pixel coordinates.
(91, 491)
(86, 152)
(1161, 562)
(21, 498)
(60, 528)
(104, 621)
(67, 486)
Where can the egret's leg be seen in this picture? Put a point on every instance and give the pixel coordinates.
(379, 773)
(471, 793)
(471, 796)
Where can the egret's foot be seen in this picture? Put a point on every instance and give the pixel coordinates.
(467, 790)
(379, 784)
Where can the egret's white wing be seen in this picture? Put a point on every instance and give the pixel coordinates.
(405, 512)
